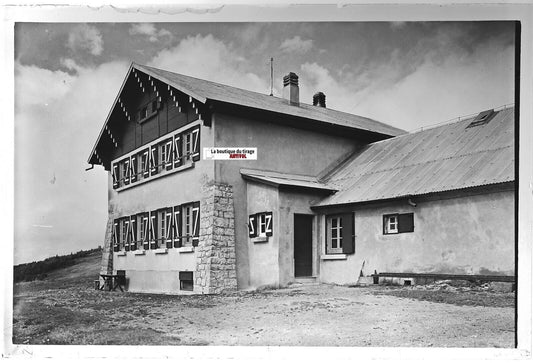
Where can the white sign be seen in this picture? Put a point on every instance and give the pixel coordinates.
(230, 153)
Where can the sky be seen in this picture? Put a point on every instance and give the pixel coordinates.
(406, 74)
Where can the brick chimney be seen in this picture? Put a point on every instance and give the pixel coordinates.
(319, 99)
(291, 92)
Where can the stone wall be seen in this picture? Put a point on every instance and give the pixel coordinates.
(215, 264)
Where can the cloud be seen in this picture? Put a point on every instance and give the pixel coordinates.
(86, 38)
(149, 30)
(296, 45)
(57, 120)
(209, 58)
(37, 86)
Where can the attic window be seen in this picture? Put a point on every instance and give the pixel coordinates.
(482, 119)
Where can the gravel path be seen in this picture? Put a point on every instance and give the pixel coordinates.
(306, 315)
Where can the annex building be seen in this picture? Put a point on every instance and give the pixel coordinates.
(331, 197)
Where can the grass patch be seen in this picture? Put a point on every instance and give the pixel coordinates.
(461, 298)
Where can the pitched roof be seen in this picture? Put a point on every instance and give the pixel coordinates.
(444, 158)
(283, 179)
(203, 90)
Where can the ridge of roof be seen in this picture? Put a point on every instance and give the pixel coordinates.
(269, 103)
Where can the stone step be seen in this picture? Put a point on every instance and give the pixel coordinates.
(306, 280)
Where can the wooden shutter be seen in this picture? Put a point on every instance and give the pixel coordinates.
(145, 161)
(269, 223)
(406, 223)
(252, 226)
(133, 233)
(116, 236)
(133, 168)
(195, 223)
(115, 175)
(348, 233)
(153, 230)
(146, 226)
(126, 171)
(169, 154)
(126, 223)
(196, 144)
(153, 160)
(177, 226)
(168, 226)
(178, 150)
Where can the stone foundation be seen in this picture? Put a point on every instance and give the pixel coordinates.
(215, 261)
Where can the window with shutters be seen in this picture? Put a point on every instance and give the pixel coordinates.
(398, 223)
(124, 224)
(169, 227)
(340, 234)
(187, 225)
(162, 156)
(260, 225)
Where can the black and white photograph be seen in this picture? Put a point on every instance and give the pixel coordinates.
(197, 178)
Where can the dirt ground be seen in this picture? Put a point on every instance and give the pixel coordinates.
(65, 309)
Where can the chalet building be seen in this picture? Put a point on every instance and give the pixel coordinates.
(331, 196)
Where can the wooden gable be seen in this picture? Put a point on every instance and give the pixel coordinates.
(145, 109)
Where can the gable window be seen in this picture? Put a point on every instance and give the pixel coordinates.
(340, 234)
(143, 113)
(398, 223)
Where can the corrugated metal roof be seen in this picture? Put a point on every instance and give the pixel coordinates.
(206, 90)
(443, 158)
(277, 179)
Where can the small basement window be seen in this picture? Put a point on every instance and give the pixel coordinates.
(482, 119)
(398, 223)
(186, 280)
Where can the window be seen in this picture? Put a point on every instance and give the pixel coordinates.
(186, 280)
(391, 224)
(187, 225)
(171, 227)
(260, 225)
(340, 234)
(143, 113)
(133, 233)
(152, 228)
(116, 235)
(179, 149)
(145, 168)
(398, 223)
(144, 230)
(124, 229)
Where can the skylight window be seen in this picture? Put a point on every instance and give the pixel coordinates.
(482, 119)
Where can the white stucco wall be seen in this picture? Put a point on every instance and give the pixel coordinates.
(463, 235)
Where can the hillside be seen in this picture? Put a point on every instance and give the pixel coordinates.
(82, 262)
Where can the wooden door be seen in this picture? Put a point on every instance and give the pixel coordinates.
(303, 242)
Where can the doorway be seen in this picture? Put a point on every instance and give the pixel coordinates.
(303, 245)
